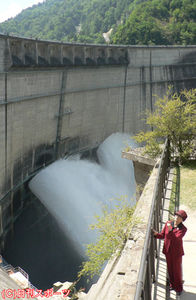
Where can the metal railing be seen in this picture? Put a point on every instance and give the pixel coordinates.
(146, 274)
(9, 269)
(20, 270)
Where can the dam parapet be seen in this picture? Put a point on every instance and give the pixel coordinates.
(19, 52)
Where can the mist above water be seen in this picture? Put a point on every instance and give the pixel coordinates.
(74, 190)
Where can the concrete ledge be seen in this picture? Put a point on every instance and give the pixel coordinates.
(137, 155)
(143, 165)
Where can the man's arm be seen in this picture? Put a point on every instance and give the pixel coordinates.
(160, 235)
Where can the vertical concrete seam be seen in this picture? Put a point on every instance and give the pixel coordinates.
(9, 52)
(151, 106)
(5, 124)
(61, 105)
(124, 97)
(150, 69)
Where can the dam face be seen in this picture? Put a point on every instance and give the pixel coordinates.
(58, 99)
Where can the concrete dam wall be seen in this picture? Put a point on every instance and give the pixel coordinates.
(57, 99)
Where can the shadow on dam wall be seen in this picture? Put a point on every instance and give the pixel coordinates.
(183, 74)
(36, 243)
(39, 247)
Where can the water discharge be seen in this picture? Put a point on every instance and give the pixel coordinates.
(74, 190)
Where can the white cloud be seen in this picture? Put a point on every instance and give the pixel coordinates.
(11, 8)
(11, 11)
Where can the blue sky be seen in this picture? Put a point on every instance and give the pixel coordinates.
(10, 8)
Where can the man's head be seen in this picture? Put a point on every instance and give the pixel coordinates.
(181, 213)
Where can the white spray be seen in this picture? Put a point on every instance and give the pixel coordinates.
(74, 190)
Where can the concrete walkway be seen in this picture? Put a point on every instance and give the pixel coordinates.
(160, 288)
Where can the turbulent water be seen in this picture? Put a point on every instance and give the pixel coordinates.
(74, 190)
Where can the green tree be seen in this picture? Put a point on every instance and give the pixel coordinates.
(174, 117)
(142, 27)
(114, 229)
(158, 22)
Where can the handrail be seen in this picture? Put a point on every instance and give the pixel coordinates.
(31, 286)
(8, 267)
(20, 270)
(146, 272)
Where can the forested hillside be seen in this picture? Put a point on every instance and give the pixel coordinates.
(159, 22)
(132, 21)
(68, 20)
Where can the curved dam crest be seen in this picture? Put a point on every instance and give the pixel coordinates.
(75, 190)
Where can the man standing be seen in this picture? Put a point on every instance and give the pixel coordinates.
(172, 234)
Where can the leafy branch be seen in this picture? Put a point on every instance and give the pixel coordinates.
(174, 117)
(114, 229)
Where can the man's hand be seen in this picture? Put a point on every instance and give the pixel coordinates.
(155, 232)
(169, 226)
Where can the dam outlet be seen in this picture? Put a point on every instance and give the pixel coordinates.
(50, 237)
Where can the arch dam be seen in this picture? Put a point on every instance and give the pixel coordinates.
(57, 99)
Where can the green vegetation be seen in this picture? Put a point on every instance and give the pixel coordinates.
(70, 20)
(188, 184)
(159, 22)
(114, 229)
(151, 22)
(183, 186)
(174, 117)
